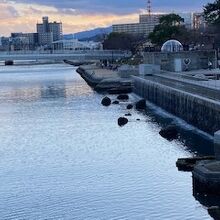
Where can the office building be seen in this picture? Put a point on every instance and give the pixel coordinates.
(199, 21)
(134, 28)
(49, 32)
(150, 19)
(28, 40)
(5, 43)
(145, 26)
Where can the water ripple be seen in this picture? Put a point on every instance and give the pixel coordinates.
(62, 155)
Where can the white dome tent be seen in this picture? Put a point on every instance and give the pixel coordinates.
(172, 46)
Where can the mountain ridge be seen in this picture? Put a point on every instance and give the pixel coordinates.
(88, 33)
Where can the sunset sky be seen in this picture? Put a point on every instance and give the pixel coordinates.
(78, 15)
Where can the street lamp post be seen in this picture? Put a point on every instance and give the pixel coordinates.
(112, 56)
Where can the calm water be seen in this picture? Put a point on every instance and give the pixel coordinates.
(62, 155)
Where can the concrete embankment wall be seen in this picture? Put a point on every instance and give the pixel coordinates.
(198, 111)
(89, 77)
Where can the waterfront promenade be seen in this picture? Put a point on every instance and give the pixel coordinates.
(197, 101)
(185, 81)
(99, 72)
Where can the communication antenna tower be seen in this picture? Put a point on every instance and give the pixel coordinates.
(149, 10)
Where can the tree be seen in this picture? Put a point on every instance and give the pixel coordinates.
(122, 41)
(212, 16)
(212, 12)
(171, 20)
(169, 27)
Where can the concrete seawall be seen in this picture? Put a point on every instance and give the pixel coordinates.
(90, 78)
(201, 112)
(105, 80)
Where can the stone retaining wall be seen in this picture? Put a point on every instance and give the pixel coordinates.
(198, 59)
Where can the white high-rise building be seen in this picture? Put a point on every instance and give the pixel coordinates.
(148, 22)
(145, 26)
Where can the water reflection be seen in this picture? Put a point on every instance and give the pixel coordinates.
(37, 92)
(33, 87)
(194, 141)
(206, 199)
(54, 91)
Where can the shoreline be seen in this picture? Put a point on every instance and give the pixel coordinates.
(104, 80)
(195, 109)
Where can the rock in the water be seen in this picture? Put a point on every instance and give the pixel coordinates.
(9, 62)
(214, 212)
(130, 106)
(115, 102)
(141, 105)
(170, 132)
(138, 119)
(122, 121)
(128, 114)
(123, 97)
(106, 101)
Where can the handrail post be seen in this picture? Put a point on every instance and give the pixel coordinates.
(217, 145)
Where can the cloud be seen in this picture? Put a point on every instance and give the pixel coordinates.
(78, 15)
(92, 6)
(119, 6)
(8, 12)
(73, 21)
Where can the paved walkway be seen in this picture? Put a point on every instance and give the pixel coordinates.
(100, 72)
(186, 87)
(196, 88)
(188, 77)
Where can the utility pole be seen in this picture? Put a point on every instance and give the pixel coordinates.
(149, 7)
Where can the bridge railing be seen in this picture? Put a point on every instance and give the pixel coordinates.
(74, 52)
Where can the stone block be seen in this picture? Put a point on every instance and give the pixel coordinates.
(148, 69)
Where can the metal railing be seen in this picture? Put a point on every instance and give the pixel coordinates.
(74, 52)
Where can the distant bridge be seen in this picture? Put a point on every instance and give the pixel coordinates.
(65, 55)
